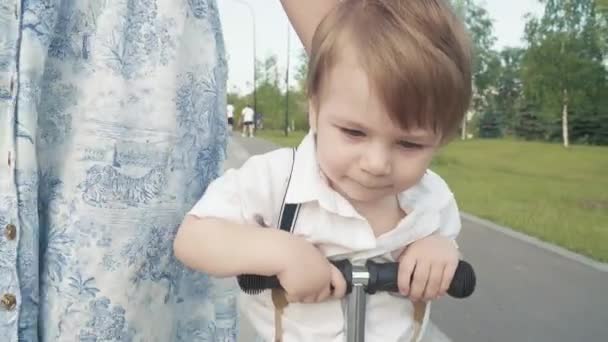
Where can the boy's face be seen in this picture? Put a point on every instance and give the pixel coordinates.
(363, 153)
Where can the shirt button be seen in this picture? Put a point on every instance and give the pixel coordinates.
(10, 231)
(8, 301)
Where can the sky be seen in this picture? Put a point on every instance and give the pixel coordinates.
(272, 29)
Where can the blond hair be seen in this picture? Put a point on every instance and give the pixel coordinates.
(416, 54)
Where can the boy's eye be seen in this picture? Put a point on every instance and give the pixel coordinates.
(352, 132)
(408, 144)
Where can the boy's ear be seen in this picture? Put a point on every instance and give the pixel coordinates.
(312, 115)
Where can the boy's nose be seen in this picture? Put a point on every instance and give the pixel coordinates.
(376, 162)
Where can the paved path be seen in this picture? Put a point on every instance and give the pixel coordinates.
(524, 292)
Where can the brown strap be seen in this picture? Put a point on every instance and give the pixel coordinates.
(280, 302)
(419, 313)
(287, 220)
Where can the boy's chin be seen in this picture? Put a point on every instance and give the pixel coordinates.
(362, 195)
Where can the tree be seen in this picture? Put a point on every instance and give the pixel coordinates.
(528, 125)
(562, 67)
(485, 59)
(300, 98)
(269, 94)
(490, 125)
(509, 86)
(301, 75)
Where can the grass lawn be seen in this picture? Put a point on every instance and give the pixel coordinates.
(559, 195)
(278, 137)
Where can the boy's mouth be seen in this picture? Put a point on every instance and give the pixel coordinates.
(372, 186)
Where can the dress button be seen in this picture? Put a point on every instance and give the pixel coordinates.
(8, 301)
(10, 231)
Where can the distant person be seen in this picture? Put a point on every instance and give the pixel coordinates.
(248, 124)
(259, 121)
(230, 116)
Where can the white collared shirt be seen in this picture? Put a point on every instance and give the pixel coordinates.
(327, 219)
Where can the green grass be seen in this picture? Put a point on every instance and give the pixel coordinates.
(558, 195)
(278, 137)
(544, 190)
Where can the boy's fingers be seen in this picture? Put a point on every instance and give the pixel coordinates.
(448, 275)
(309, 300)
(404, 276)
(292, 299)
(434, 282)
(323, 295)
(421, 276)
(338, 284)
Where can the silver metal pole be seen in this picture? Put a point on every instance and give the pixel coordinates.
(355, 311)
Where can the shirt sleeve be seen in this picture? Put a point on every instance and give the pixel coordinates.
(247, 194)
(443, 200)
(449, 219)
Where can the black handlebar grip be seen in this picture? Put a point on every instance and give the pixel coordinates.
(254, 284)
(383, 277)
(464, 281)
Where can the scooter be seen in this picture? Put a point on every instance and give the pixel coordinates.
(361, 281)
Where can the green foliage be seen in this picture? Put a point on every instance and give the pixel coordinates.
(563, 67)
(590, 129)
(517, 91)
(485, 61)
(508, 99)
(490, 125)
(528, 125)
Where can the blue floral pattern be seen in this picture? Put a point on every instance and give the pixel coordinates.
(111, 127)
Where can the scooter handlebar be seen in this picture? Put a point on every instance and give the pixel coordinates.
(382, 277)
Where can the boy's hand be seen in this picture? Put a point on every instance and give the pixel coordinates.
(426, 268)
(307, 275)
(338, 284)
(336, 288)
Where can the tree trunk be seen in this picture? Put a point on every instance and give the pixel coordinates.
(463, 132)
(565, 119)
(564, 106)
